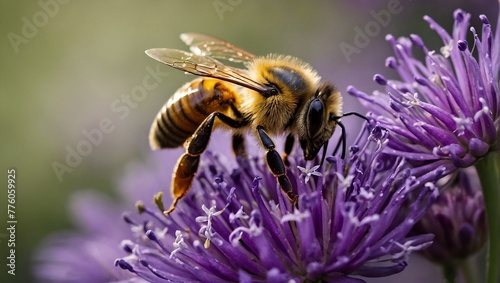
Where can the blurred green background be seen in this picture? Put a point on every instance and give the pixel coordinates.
(63, 67)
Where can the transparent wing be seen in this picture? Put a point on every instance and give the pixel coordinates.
(205, 45)
(207, 67)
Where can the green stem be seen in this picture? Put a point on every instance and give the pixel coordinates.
(487, 168)
(450, 273)
(465, 267)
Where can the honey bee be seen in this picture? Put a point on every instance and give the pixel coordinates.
(272, 95)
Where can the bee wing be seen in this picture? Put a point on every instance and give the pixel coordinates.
(207, 67)
(205, 45)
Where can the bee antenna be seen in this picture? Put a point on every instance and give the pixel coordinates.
(356, 114)
(343, 137)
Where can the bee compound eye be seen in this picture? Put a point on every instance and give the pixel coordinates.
(315, 116)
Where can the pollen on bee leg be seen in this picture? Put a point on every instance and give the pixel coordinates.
(180, 187)
(184, 173)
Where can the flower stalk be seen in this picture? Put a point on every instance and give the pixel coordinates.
(487, 169)
(450, 273)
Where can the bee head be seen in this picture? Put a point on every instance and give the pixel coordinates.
(318, 118)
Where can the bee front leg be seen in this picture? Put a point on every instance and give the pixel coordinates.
(288, 148)
(187, 165)
(238, 144)
(276, 165)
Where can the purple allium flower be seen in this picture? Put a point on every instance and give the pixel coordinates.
(445, 110)
(457, 220)
(236, 224)
(87, 254)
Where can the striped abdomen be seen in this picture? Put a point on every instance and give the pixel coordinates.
(186, 109)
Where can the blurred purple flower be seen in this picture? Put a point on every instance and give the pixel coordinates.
(445, 110)
(236, 225)
(87, 255)
(457, 220)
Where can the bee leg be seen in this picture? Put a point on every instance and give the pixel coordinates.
(288, 148)
(184, 171)
(341, 141)
(187, 165)
(238, 143)
(276, 165)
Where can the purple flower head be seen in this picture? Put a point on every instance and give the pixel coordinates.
(457, 220)
(87, 255)
(237, 225)
(445, 109)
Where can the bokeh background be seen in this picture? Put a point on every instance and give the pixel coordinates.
(66, 69)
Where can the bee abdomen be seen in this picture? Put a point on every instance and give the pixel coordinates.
(168, 130)
(185, 111)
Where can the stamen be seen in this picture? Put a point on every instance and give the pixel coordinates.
(351, 215)
(485, 110)
(253, 230)
(296, 216)
(207, 230)
(178, 244)
(240, 214)
(462, 125)
(308, 171)
(446, 50)
(344, 182)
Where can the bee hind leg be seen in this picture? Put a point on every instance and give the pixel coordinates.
(276, 165)
(187, 165)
